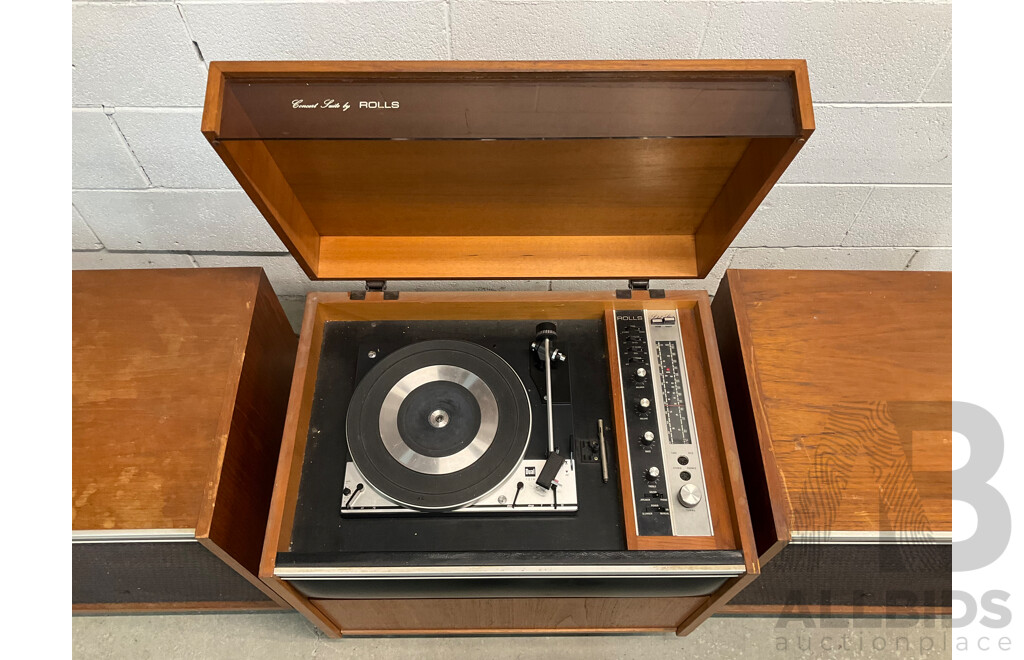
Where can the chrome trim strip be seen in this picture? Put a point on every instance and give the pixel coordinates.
(873, 537)
(531, 499)
(457, 572)
(659, 409)
(133, 535)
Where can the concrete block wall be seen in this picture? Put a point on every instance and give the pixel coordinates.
(871, 189)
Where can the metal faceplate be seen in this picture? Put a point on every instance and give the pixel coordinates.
(531, 497)
(666, 473)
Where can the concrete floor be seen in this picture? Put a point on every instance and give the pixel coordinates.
(281, 636)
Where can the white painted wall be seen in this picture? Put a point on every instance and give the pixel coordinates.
(871, 189)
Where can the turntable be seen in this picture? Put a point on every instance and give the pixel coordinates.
(525, 460)
(444, 425)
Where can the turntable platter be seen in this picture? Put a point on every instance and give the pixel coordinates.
(437, 425)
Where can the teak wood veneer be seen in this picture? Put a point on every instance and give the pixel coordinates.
(840, 386)
(179, 390)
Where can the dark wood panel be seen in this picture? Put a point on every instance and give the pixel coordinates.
(523, 615)
(516, 100)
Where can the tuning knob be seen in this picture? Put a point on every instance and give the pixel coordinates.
(640, 375)
(689, 496)
(647, 439)
(652, 474)
(643, 405)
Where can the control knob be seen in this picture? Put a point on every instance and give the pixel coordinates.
(640, 375)
(643, 405)
(647, 439)
(689, 496)
(652, 474)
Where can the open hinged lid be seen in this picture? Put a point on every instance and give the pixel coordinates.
(499, 170)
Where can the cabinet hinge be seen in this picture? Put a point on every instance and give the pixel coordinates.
(639, 285)
(377, 286)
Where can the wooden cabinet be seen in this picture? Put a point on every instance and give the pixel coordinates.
(840, 387)
(506, 170)
(180, 385)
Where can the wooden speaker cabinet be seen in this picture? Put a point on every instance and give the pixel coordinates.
(840, 386)
(180, 385)
(384, 171)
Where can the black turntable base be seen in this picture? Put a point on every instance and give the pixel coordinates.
(581, 397)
